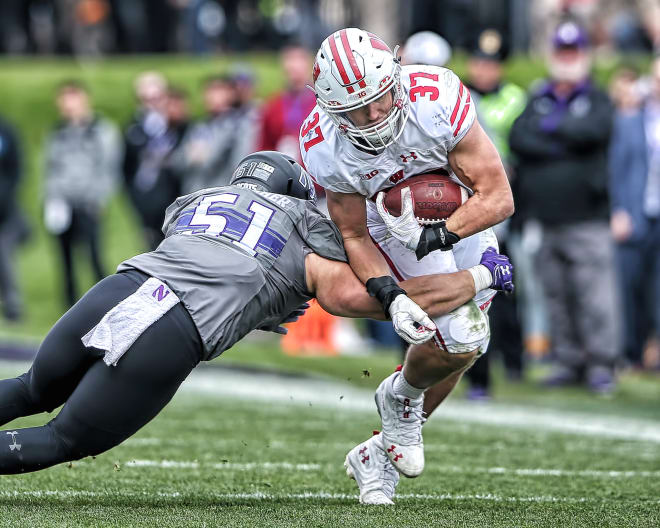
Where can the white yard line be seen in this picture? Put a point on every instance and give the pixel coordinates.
(235, 466)
(259, 496)
(334, 395)
(523, 472)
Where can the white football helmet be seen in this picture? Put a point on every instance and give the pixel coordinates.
(426, 47)
(352, 69)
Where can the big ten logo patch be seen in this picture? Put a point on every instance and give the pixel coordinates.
(369, 175)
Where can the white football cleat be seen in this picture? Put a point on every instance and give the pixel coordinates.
(402, 420)
(370, 467)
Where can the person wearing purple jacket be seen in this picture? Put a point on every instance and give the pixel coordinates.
(560, 142)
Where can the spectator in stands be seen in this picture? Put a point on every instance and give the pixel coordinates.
(83, 154)
(635, 202)
(498, 104)
(284, 113)
(13, 227)
(561, 140)
(148, 140)
(245, 115)
(202, 160)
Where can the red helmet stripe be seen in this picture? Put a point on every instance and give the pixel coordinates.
(351, 59)
(339, 63)
(377, 43)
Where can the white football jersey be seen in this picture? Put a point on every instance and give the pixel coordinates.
(441, 113)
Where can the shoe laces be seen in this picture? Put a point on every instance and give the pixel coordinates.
(390, 476)
(413, 418)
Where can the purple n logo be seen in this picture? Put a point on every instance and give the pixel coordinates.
(161, 292)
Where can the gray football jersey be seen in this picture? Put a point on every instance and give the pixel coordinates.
(236, 259)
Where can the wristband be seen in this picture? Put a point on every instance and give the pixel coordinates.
(385, 289)
(482, 277)
(433, 237)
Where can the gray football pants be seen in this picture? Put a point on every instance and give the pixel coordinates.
(576, 264)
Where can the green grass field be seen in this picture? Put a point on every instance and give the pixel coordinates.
(239, 448)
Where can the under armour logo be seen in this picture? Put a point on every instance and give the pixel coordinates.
(362, 451)
(364, 459)
(397, 456)
(13, 439)
(161, 292)
(405, 158)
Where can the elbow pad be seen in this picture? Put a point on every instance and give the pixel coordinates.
(435, 236)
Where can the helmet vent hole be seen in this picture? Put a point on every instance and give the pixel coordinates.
(360, 38)
(378, 67)
(322, 56)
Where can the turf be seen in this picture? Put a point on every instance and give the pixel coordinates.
(210, 459)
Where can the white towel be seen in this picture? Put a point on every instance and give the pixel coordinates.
(121, 326)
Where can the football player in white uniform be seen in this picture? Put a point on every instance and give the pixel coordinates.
(375, 124)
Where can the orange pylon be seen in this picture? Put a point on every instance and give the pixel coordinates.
(312, 334)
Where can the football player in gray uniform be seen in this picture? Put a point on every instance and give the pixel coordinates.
(235, 258)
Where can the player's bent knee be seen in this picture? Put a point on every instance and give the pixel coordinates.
(81, 440)
(469, 331)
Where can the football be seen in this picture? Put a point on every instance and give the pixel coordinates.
(435, 197)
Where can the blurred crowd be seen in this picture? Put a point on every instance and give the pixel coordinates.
(99, 27)
(584, 165)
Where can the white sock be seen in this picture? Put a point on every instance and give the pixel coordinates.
(402, 387)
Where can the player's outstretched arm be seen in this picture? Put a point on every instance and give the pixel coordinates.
(340, 292)
(476, 162)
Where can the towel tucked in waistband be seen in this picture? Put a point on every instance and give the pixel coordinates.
(122, 325)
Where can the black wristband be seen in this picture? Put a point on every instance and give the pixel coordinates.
(385, 289)
(435, 236)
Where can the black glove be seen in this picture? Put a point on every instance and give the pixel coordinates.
(293, 316)
(435, 236)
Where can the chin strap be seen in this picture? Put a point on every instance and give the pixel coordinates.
(433, 237)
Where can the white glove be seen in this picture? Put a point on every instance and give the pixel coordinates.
(405, 313)
(404, 228)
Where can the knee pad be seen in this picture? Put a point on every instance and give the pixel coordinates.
(469, 330)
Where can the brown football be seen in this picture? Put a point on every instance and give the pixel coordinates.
(435, 197)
